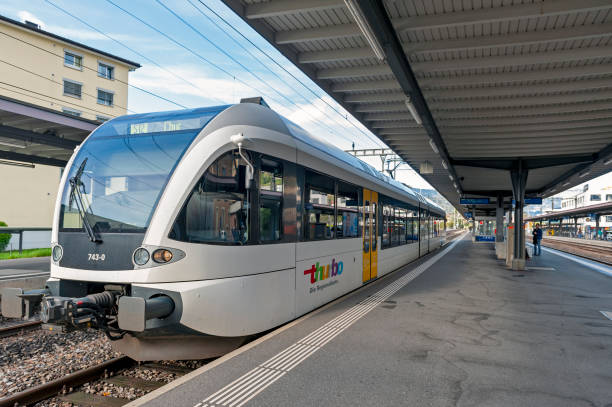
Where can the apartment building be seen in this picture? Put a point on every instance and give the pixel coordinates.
(48, 72)
(51, 71)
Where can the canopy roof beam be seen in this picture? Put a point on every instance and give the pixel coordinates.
(484, 41)
(28, 136)
(283, 7)
(8, 155)
(377, 18)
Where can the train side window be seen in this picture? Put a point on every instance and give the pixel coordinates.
(412, 226)
(319, 207)
(348, 203)
(394, 227)
(387, 227)
(401, 219)
(217, 208)
(270, 200)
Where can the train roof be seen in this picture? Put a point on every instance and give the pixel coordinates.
(253, 114)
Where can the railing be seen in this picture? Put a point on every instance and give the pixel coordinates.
(20, 231)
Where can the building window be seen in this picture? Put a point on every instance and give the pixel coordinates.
(102, 118)
(73, 60)
(106, 71)
(105, 97)
(72, 112)
(608, 197)
(595, 197)
(608, 218)
(72, 88)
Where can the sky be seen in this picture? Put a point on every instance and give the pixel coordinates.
(193, 54)
(199, 60)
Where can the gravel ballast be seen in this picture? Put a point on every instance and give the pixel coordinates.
(38, 357)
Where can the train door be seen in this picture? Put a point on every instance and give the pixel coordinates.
(370, 249)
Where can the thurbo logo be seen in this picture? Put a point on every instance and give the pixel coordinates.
(320, 273)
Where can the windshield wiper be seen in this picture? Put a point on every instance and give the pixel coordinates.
(75, 194)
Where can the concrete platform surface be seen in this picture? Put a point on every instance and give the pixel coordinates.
(465, 332)
(27, 265)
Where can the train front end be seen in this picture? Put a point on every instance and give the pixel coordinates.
(108, 197)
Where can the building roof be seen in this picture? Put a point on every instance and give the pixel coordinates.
(494, 82)
(599, 209)
(38, 135)
(35, 29)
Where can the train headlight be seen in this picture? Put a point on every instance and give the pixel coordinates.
(57, 253)
(141, 256)
(162, 256)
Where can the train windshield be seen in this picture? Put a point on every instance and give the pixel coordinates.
(122, 169)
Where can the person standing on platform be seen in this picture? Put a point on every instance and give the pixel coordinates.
(537, 240)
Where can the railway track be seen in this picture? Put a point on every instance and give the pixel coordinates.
(19, 328)
(114, 372)
(598, 253)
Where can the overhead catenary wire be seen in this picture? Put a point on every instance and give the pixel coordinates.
(91, 69)
(253, 56)
(58, 83)
(132, 50)
(179, 76)
(49, 97)
(201, 57)
(376, 140)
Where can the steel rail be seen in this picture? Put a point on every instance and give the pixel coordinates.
(52, 388)
(17, 329)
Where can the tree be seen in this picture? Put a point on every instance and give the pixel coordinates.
(5, 238)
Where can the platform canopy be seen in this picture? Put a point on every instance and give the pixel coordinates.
(32, 134)
(501, 86)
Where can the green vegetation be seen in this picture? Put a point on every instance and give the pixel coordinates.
(25, 253)
(4, 237)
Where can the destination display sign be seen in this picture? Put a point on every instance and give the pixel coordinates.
(530, 201)
(474, 201)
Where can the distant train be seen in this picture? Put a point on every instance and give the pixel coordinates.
(182, 234)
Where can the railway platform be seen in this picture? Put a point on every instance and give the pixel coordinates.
(27, 274)
(456, 328)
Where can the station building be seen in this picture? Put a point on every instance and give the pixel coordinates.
(52, 88)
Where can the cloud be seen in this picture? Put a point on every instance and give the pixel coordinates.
(27, 16)
(76, 34)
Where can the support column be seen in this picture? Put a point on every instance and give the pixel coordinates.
(499, 228)
(519, 181)
(575, 227)
(597, 226)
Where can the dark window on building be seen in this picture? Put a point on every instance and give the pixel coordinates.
(106, 71)
(270, 200)
(72, 112)
(72, 88)
(217, 209)
(319, 207)
(595, 197)
(105, 98)
(73, 60)
(608, 197)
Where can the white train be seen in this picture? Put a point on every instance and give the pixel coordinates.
(181, 234)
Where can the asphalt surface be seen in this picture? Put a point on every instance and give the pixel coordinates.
(466, 332)
(17, 266)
